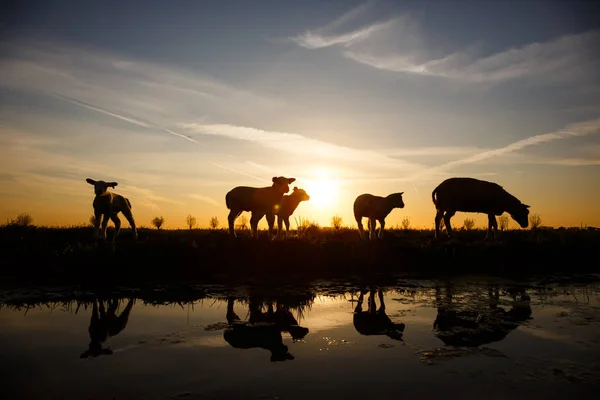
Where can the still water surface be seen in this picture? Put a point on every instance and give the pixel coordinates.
(418, 339)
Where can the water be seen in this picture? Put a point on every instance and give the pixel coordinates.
(490, 340)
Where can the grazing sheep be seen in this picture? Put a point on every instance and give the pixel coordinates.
(108, 205)
(477, 196)
(289, 203)
(259, 201)
(376, 208)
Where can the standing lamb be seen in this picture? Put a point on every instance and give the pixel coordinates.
(376, 208)
(259, 201)
(289, 203)
(108, 205)
(474, 195)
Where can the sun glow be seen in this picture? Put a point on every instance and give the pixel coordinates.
(323, 190)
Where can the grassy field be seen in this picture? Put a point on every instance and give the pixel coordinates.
(68, 255)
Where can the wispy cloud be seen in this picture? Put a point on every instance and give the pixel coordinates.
(205, 199)
(432, 151)
(574, 130)
(302, 145)
(312, 40)
(399, 44)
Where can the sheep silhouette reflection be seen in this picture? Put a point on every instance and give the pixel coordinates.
(105, 324)
(263, 329)
(375, 321)
(476, 320)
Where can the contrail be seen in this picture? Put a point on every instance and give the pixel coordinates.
(149, 125)
(237, 172)
(134, 121)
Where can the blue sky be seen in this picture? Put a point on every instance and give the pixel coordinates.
(181, 101)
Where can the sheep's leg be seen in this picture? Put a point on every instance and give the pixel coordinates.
(286, 221)
(361, 229)
(371, 302)
(97, 220)
(438, 219)
(372, 227)
(381, 227)
(233, 214)
(129, 217)
(271, 223)
(254, 220)
(492, 224)
(447, 216)
(105, 218)
(359, 303)
(381, 302)
(115, 219)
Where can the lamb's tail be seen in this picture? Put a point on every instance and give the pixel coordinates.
(227, 202)
(434, 197)
(128, 203)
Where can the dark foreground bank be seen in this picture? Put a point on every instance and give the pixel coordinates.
(69, 255)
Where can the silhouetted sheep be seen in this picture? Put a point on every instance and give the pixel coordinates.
(259, 201)
(376, 208)
(474, 195)
(289, 204)
(108, 205)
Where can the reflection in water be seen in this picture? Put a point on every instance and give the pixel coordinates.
(263, 329)
(477, 320)
(174, 336)
(105, 324)
(375, 321)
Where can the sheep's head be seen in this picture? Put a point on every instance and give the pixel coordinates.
(521, 215)
(395, 200)
(282, 183)
(100, 187)
(300, 194)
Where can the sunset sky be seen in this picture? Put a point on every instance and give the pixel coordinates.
(181, 101)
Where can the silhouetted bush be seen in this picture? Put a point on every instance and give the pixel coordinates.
(405, 223)
(336, 222)
(190, 221)
(535, 221)
(468, 224)
(158, 222)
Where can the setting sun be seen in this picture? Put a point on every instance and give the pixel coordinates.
(323, 190)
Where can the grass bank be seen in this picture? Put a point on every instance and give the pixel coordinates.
(68, 255)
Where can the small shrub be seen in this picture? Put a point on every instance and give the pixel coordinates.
(213, 223)
(336, 222)
(406, 223)
(242, 223)
(503, 222)
(23, 220)
(190, 221)
(158, 222)
(535, 221)
(468, 224)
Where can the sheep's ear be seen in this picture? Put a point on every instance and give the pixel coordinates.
(526, 206)
(401, 193)
(295, 188)
(112, 184)
(90, 181)
(274, 179)
(291, 180)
